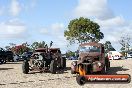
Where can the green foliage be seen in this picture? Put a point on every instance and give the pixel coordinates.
(70, 53)
(20, 49)
(35, 45)
(7, 47)
(108, 46)
(122, 49)
(125, 42)
(79, 30)
(123, 53)
(25, 47)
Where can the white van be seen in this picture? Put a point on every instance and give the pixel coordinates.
(114, 55)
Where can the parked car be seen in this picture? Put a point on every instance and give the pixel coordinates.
(5, 56)
(16, 57)
(72, 58)
(114, 55)
(25, 55)
(129, 55)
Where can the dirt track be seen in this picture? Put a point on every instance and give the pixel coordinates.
(11, 76)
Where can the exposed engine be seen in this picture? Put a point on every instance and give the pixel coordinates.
(45, 59)
(41, 60)
(38, 63)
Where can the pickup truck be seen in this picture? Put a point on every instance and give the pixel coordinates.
(5, 56)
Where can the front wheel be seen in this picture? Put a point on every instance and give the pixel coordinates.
(53, 67)
(81, 80)
(25, 67)
(2, 60)
(73, 67)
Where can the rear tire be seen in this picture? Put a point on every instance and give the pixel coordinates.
(108, 66)
(53, 67)
(25, 67)
(2, 60)
(12, 60)
(107, 63)
(63, 62)
(104, 70)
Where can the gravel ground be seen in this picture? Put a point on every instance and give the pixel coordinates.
(11, 76)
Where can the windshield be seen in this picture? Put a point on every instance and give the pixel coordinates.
(89, 49)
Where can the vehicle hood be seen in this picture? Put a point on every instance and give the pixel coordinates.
(90, 54)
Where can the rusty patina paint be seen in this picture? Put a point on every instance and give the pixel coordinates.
(91, 55)
(91, 44)
(91, 61)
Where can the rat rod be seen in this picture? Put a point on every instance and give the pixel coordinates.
(45, 59)
(91, 59)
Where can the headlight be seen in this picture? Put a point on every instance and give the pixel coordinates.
(99, 63)
(74, 63)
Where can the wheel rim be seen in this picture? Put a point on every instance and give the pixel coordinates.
(81, 80)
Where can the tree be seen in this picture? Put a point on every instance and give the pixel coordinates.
(12, 44)
(20, 49)
(70, 53)
(108, 46)
(35, 45)
(7, 47)
(83, 30)
(125, 42)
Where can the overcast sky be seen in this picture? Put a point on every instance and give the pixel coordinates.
(45, 20)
